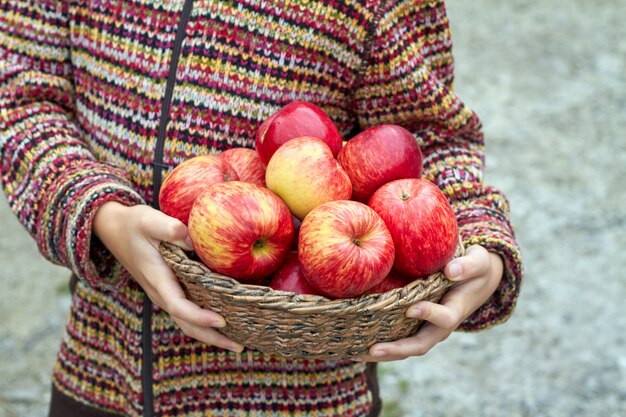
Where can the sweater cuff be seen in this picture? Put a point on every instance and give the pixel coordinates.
(68, 239)
(493, 232)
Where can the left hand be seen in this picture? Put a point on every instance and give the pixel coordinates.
(476, 274)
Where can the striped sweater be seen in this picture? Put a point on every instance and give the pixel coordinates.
(92, 93)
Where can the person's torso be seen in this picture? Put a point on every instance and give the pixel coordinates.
(200, 76)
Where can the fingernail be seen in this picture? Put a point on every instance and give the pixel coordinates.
(379, 352)
(455, 269)
(236, 348)
(414, 312)
(188, 244)
(219, 323)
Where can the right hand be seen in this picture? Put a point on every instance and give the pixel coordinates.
(133, 235)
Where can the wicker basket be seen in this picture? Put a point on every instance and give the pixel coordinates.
(303, 326)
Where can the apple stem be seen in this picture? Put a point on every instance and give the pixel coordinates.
(258, 244)
(356, 241)
(405, 196)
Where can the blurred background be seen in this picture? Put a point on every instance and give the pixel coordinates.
(548, 79)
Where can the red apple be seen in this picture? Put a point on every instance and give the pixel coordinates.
(422, 224)
(188, 180)
(304, 173)
(247, 164)
(241, 230)
(259, 146)
(294, 120)
(289, 277)
(344, 248)
(391, 282)
(296, 232)
(379, 155)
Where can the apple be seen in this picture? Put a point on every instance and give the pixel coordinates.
(241, 230)
(344, 248)
(391, 282)
(188, 180)
(422, 223)
(294, 120)
(289, 277)
(296, 227)
(379, 155)
(259, 145)
(247, 164)
(304, 173)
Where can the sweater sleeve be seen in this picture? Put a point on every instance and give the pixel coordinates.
(51, 180)
(407, 79)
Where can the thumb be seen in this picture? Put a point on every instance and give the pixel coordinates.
(172, 230)
(474, 263)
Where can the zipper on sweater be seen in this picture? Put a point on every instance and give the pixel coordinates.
(167, 101)
(146, 322)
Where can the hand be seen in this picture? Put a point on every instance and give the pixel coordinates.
(133, 235)
(477, 274)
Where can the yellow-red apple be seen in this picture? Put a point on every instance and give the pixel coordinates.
(422, 223)
(299, 118)
(241, 230)
(188, 180)
(247, 164)
(304, 173)
(379, 155)
(344, 248)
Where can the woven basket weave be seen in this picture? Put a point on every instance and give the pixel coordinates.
(303, 326)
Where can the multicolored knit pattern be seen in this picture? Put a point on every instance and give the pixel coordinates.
(82, 89)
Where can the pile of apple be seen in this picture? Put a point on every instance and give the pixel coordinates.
(307, 212)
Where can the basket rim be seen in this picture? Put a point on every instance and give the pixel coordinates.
(269, 298)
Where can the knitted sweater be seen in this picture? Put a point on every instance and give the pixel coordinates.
(93, 92)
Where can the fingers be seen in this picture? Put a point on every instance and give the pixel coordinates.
(478, 273)
(193, 320)
(162, 227)
(209, 336)
(134, 241)
(184, 310)
(447, 316)
(418, 345)
(473, 264)
(442, 320)
(167, 293)
(197, 322)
